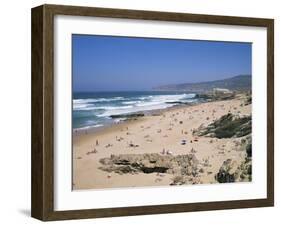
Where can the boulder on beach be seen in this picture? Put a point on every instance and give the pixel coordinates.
(226, 172)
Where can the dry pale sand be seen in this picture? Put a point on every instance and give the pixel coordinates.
(152, 134)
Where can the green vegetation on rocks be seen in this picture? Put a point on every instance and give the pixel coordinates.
(226, 127)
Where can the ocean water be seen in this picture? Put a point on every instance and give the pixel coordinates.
(93, 109)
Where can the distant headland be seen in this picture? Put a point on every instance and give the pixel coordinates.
(236, 83)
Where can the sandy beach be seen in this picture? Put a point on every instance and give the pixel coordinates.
(167, 133)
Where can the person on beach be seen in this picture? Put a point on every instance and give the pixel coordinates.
(97, 142)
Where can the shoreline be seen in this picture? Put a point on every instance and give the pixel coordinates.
(153, 133)
(95, 129)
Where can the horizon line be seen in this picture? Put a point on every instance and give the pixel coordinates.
(152, 88)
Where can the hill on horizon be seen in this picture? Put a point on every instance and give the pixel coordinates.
(236, 83)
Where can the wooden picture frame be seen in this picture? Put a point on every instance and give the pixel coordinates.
(43, 107)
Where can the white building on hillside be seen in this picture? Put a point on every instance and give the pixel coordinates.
(222, 91)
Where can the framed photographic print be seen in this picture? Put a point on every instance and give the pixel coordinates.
(141, 112)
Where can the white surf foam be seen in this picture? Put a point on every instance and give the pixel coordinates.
(141, 103)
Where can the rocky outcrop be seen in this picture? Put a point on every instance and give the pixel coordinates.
(127, 116)
(151, 163)
(244, 171)
(226, 172)
(226, 127)
(185, 167)
(246, 144)
(248, 99)
(230, 171)
(249, 149)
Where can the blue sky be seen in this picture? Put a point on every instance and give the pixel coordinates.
(107, 63)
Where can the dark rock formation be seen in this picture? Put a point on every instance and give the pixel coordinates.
(244, 171)
(128, 116)
(248, 99)
(230, 171)
(226, 127)
(226, 174)
(212, 96)
(178, 102)
(186, 165)
(249, 147)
